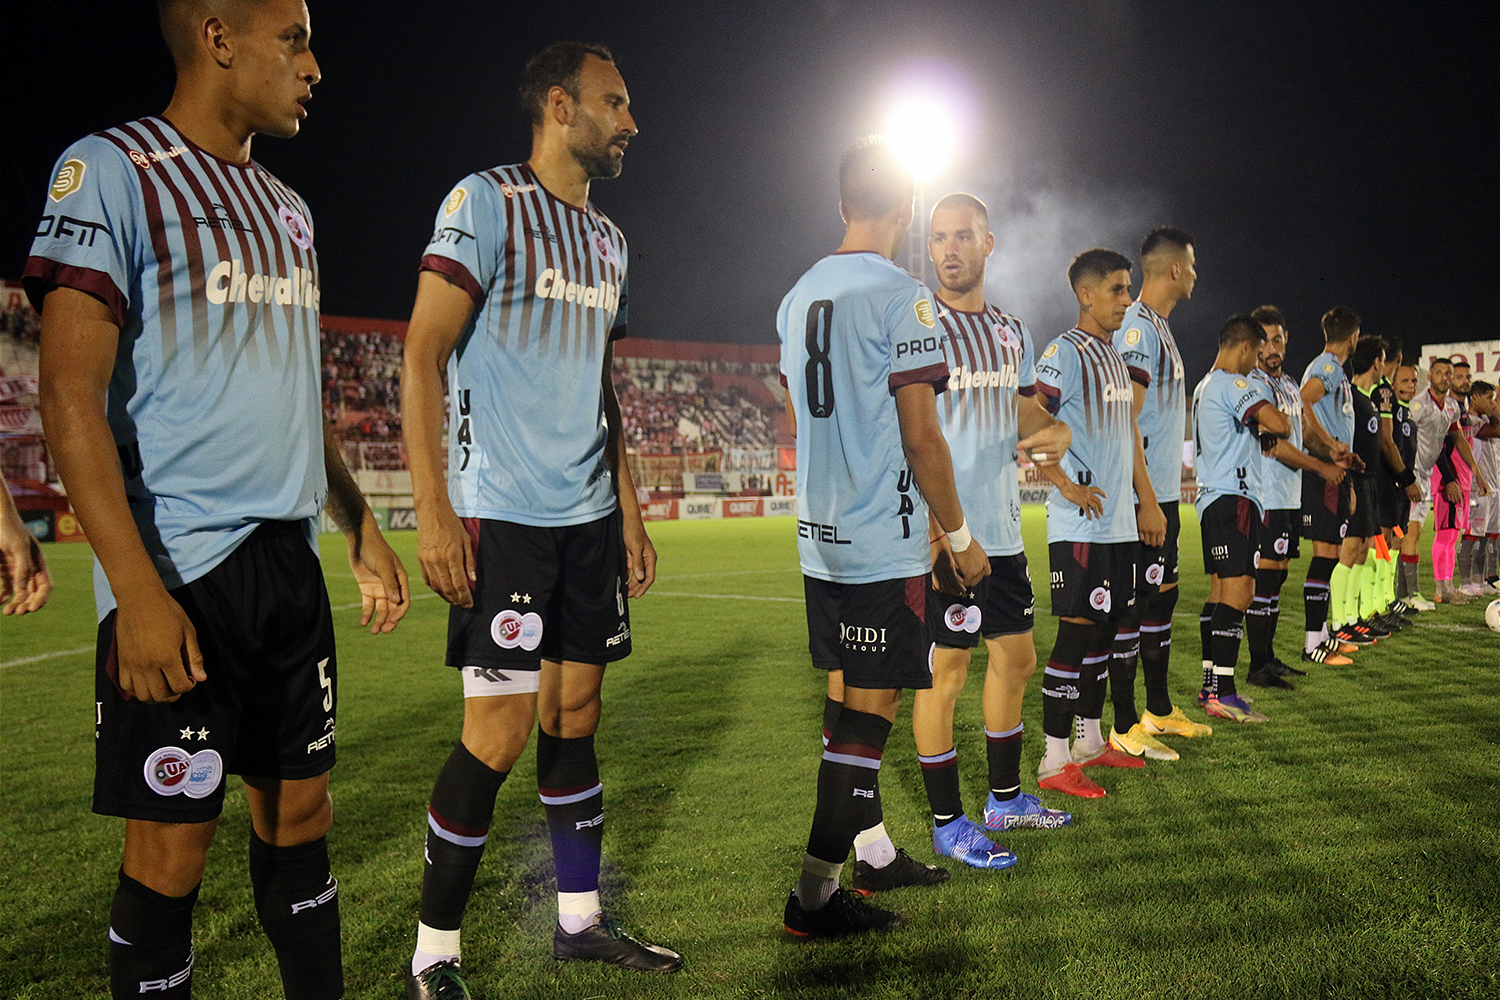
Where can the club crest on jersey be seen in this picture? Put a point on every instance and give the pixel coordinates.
(454, 200)
(1328, 367)
(1240, 383)
(1374, 424)
(924, 313)
(69, 179)
(1133, 336)
(174, 771)
(963, 619)
(1051, 350)
(1006, 335)
(1099, 599)
(296, 227)
(607, 252)
(511, 629)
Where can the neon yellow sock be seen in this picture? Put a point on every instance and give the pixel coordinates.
(1338, 595)
(1369, 588)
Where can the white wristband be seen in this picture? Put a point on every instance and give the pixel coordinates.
(959, 538)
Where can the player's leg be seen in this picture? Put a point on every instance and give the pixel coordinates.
(1444, 543)
(151, 919)
(932, 729)
(1235, 594)
(1230, 543)
(1116, 568)
(1126, 654)
(872, 845)
(1012, 662)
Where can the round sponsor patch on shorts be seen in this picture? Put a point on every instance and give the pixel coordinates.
(1281, 546)
(1343, 530)
(1154, 573)
(531, 631)
(963, 619)
(1099, 600)
(174, 771)
(204, 774)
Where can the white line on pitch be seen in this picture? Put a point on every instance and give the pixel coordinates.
(47, 656)
(723, 597)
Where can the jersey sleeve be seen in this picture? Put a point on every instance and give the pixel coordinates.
(1055, 370)
(916, 350)
(468, 236)
(1249, 395)
(1139, 344)
(1026, 373)
(87, 236)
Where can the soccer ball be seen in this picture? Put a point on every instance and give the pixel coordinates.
(1492, 615)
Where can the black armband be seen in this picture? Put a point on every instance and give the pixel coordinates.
(1406, 478)
(1268, 441)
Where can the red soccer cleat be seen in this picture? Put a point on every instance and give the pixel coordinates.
(1071, 780)
(1110, 757)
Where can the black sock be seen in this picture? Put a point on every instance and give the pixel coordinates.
(847, 776)
(1122, 666)
(1094, 674)
(1004, 753)
(567, 779)
(1273, 616)
(458, 823)
(1156, 648)
(1061, 678)
(1315, 591)
(1258, 618)
(1228, 629)
(297, 900)
(150, 942)
(940, 776)
(1205, 633)
(831, 710)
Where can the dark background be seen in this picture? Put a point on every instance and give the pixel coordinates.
(1320, 153)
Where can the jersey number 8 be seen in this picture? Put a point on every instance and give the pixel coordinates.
(819, 369)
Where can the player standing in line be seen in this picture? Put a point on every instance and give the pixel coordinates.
(1234, 419)
(179, 374)
(1392, 478)
(1455, 480)
(1434, 416)
(1144, 339)
(1484, 520)
(1469, 423)
(1327, 429)
(862, 364)
(989, 405)
(537, 540)
(1094, 532)
(1281, 498)
(1405, 497)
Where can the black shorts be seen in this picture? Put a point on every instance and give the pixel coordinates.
(999, 605)
(1325, 508)
(877, 633)
(267, 708)
(543, 594)
(1159, 565)
(1093, 581)
(1364, 518)
(1278, 536)
(1395, 506)
(1231, 537)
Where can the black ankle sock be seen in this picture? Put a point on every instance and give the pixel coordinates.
(1122, 669)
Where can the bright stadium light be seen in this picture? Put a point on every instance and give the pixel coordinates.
(923, 132)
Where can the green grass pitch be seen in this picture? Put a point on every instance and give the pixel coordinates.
(1347, 848)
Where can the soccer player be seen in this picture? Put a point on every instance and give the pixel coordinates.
(1393, 478)
(1345, 613)
(1328, 431)
(1409, 495)
(988, 415)
(1434, 417)
(1455, 478)
(1144, 339)
(1232, 415)
(1470, 421)
(24, 580)
(537, 541)
(179, 374)
(1094, 532)
(1484, 516)
(1281, 497)
(861, 356)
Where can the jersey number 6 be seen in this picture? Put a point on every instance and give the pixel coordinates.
(819, 368)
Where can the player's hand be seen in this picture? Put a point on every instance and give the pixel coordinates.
(640, 556)
(1048, 445)
(1331, 473)
(1089, 499)
(971, 565)
(24, 580)
(446, 555)
(1481, 486)
(384, 594)
(1151, 525)
(1452, 492)
(1414, 493)
(945, 575)
(1356, 464)
(156, 648)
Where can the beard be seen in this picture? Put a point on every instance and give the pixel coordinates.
(592, 150)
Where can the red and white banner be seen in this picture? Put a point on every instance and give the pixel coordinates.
(15, 386)
(705, 508)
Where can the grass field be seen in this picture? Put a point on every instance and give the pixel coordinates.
(1351, 847)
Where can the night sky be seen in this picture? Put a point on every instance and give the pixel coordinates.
(1320, 153)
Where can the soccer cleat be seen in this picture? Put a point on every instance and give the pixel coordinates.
(1406, 609)
(1268, 678)
(904, 871)
(845, 913)
(1203, 695)
(1234, 708)
(1283, 669)
(963, 840)
(1023, 811)
(1373, 628)
(1354, 635)
(606, 941)
(1456, 597)
(437, 982)
(1138, 742)
(1392, 622)
(1174, 724)
(1327, 653)
(1106, 756)
(1420, 603)
(1070, 780)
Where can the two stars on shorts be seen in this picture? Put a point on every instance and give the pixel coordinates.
(520, 598)
(188, 734)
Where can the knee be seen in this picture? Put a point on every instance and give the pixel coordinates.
(495, 732)
(950, 671)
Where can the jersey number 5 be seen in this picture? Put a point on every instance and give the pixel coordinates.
(819, 368)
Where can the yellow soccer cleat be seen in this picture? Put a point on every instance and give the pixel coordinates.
(1175, 724)
(1138, 741)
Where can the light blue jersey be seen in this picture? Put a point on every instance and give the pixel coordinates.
(1335, 410)
(526, 430)
(1226, 442)
(853, 330)
(1145, 341)
(208, 269)
(991, 365)
(1086, 385)
(1281, 485)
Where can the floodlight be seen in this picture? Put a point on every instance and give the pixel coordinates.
(923, 133)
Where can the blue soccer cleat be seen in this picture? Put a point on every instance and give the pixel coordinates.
(963, 840)
(1025, 811)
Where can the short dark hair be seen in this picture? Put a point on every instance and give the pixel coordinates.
(1393, 348)
(1460, 363)
(1239, 329)
(1165, 236)
(1439, 361)
(1096, 263)
(558, 65)
(180, 20)
(1481, 388)
(1268, 316)
(959, 199)
(872, 181)
(1340, 323)
(1367, 354)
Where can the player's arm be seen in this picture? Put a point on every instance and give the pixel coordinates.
(1088, 499)
(1150, 520)
(1044, 438)
(932, 465)
(1269, 420)
(791, 416)
(640, 554)
(1315, 436)
(24, 580)
(444, 549)
(383, 592)
(156, 645)
(1467, 453)
(1295, 458)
